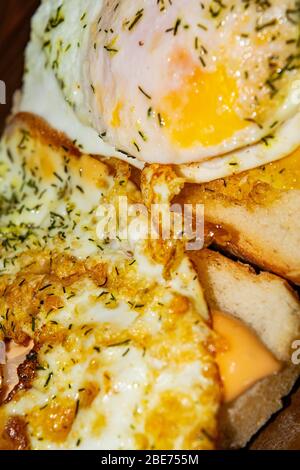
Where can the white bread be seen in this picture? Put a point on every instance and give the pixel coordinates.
(263, 301)
(263, 227)
(267, 304)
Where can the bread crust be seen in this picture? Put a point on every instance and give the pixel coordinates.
(45, 134)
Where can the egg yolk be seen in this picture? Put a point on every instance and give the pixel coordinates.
(116, 118)
(202, 110)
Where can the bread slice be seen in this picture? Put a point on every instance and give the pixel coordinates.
(255, 215)
(268, 305)
(283, 432)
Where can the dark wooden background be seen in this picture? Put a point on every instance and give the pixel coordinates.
(14, 32)
(284, 431)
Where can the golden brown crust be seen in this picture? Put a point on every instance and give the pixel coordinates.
(40, 130)
(51, 272)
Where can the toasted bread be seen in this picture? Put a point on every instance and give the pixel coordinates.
(268, 305)
(257, 212)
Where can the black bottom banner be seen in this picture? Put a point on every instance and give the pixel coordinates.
(83, 459)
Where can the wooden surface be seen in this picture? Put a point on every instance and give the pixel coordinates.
(284, 430)
(14, 32)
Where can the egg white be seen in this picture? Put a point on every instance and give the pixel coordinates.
(42, 94)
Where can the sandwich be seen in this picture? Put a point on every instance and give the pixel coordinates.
(85, 323)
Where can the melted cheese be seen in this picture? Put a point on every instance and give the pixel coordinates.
(243, 360)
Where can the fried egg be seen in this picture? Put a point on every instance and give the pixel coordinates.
(122, 348)
(169, 82)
